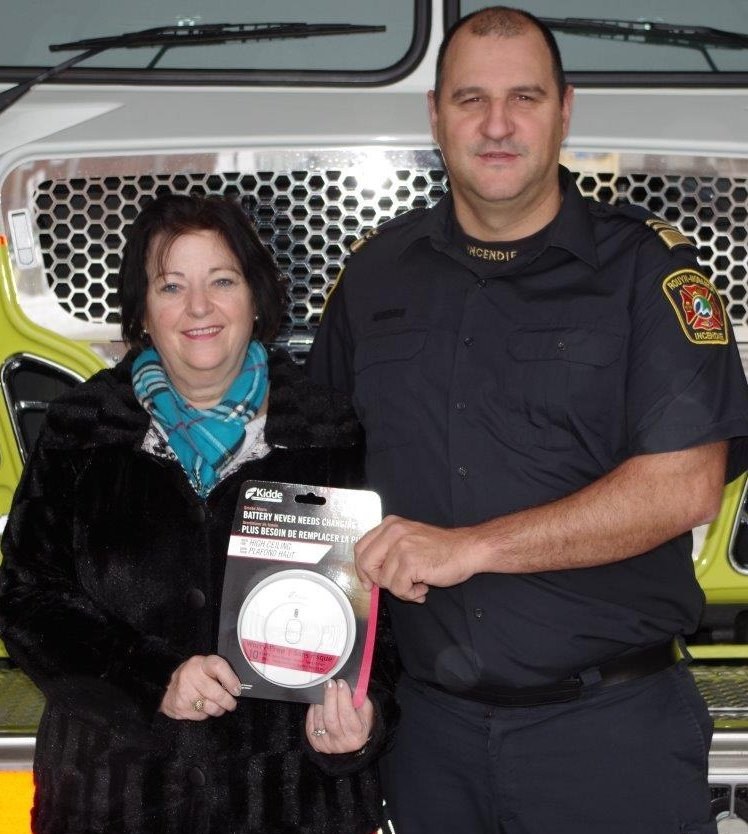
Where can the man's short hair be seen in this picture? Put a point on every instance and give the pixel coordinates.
(506, 22)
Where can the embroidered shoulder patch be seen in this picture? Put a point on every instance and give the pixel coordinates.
(698, 306)
(363, 240)
(668, 234)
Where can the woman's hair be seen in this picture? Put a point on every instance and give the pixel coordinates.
(172, 215)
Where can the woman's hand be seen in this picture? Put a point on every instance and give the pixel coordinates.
(346, 729)
(201, 687)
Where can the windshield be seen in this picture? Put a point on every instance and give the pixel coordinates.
(601, 52)
(28, 28)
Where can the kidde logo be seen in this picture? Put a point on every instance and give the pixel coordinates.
(262, 494)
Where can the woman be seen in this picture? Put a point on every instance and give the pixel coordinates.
(115, 549)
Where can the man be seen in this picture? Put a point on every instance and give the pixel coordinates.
(552, 399)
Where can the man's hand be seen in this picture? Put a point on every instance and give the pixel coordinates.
(645, 501)
(406, 557)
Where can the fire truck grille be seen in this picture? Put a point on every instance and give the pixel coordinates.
(308, 211)
(723, 688)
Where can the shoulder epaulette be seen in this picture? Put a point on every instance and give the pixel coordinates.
(404, 219)
(671, 236)
(363, 240)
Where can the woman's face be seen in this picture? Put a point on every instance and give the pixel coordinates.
(199, 314)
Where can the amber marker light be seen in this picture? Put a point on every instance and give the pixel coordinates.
(16, 795)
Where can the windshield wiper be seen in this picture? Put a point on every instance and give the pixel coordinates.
(214, 33)
(700, 38)
(169, 37)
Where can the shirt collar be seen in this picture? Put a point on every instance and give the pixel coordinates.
(571, 229)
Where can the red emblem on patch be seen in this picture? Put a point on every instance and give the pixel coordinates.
(701, 308)
(698, 306)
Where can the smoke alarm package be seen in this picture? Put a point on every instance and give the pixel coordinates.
(293, 612)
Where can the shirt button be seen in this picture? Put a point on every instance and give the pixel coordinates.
(561, 345)
(460, 406)
(477, 613)
(467, 341)
(481, 282)
(196, 777)
(195, 598)
(462, 471)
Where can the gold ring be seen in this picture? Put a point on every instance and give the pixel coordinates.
(198, 704)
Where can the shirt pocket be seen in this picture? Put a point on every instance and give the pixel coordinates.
(387, 370)
(562, 385)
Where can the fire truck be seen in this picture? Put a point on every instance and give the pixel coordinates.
(314, 117)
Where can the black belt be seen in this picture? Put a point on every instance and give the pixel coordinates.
(624, 668)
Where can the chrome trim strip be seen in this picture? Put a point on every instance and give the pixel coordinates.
(17, 752)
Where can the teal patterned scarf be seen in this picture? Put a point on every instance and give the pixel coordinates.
(203, 441)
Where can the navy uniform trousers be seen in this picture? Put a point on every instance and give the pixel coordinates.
(625, 759)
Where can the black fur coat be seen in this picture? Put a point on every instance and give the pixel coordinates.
(112, 576)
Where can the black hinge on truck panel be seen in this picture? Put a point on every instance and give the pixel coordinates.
(29, 385)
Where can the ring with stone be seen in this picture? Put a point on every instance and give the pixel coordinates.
(198, 704)
(319, 732)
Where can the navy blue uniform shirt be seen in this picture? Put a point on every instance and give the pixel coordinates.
(489, 380)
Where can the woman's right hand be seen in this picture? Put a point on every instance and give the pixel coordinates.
(200, 688)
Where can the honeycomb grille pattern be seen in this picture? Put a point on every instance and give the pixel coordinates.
(308, 219)
(723, 688)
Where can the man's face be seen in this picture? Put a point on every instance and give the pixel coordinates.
(499, 122)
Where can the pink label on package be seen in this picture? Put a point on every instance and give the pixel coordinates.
(300, 660)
